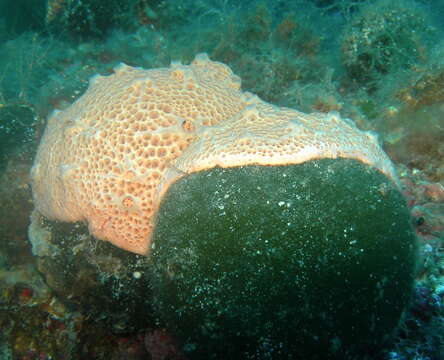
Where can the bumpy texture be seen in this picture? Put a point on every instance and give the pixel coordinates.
(109, 158)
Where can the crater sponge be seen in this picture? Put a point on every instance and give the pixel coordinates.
(272, 234)
(110, 156)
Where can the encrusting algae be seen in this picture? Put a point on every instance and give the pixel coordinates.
(110, 157)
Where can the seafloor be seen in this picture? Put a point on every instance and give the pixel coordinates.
(379, 63)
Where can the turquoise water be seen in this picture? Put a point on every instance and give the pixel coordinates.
(379, 63)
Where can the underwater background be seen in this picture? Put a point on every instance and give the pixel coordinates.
(379, 63)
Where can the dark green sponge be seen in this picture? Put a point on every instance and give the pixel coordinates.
(309, 261)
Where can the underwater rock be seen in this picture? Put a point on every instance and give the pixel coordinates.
(108, 285)
(86, 19)
(16, 129)
(16, 196)
(383, 36)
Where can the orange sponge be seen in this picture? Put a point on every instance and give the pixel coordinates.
(109, 158)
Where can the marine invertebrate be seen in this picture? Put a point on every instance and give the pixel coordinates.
(280, 233)
(85, 19)
(109, 158)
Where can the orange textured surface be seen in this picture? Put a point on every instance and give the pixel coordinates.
(110, 156)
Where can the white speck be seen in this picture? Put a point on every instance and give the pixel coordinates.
(281, 203)
(137, 274)
(440, 289)
(428, 248)
(352, 242)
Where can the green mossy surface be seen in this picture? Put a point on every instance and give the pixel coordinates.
(16, 128)
(304, 261)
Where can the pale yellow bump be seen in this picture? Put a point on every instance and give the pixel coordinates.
(67, 170)
(74, 130)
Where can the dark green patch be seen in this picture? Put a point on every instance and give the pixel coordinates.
(308, 261)
(16, 129)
